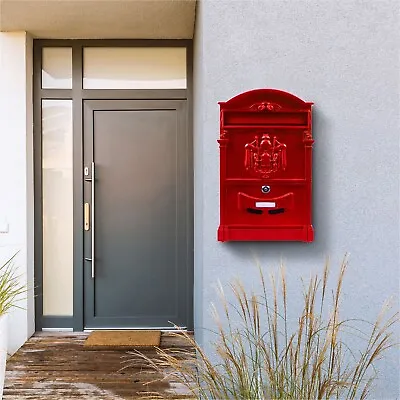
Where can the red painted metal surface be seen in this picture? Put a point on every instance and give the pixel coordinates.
(265, 167)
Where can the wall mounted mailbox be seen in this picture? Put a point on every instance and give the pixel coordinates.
(265, 167)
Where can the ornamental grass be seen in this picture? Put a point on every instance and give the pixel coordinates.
(258, 354)
(11, 289)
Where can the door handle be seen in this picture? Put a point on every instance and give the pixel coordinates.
(87, 217)
(93, 225)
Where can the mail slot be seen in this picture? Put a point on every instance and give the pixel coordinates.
(265, 167)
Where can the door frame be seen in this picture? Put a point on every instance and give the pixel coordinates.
(77, 94)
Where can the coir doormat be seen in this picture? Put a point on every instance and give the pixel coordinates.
(125, 339)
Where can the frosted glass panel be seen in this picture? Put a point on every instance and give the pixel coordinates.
(57, 207)
(134, 68)
(57, 68)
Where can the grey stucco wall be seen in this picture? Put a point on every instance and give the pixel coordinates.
(343, 56)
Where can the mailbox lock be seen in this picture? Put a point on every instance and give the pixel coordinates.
(265, 189)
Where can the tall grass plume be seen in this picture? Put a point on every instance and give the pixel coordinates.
(259, 355)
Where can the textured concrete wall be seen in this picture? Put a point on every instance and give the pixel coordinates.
(344, 57)
(16, 173)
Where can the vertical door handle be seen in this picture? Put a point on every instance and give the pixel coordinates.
(93, 224)
(87, 217)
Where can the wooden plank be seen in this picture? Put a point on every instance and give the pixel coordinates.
(56, 366)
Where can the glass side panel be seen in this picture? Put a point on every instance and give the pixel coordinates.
(57, 207)
(57, 68)
(134, 68)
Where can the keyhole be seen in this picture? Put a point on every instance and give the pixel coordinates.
(265, 189)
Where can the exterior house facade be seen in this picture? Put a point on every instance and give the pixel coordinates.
(117, 101)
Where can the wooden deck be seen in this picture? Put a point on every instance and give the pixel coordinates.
(58, 367)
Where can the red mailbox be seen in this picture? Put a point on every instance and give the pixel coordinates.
(266, 167)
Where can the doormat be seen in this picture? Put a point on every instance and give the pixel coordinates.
(125, 339)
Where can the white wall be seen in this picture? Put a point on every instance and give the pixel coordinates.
(16, 172)
(344, 56)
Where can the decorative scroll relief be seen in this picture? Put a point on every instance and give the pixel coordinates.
(265, 156)
(307, 138)
(266, 106)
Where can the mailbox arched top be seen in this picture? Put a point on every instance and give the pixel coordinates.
(266, 100)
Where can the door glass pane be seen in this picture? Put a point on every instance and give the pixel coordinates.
(134, 68)
(57, 68)
(57, 207)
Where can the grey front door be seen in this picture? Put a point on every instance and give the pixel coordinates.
(137, 190)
